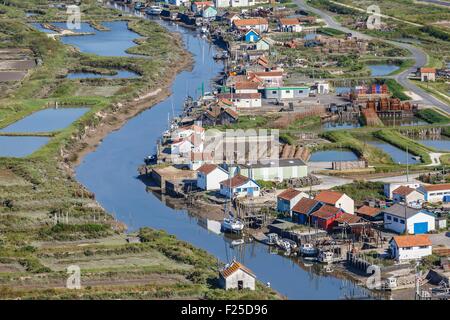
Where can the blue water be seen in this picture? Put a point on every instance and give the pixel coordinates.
(398, 155)
(310, 36)
(111, 173)
(382, 69)
(20, 146)
(402, 122)
(442, 144)
(340, 125)
(121, 74)
(113, 42)
(39, 27)
(332, 155)
(47, 120)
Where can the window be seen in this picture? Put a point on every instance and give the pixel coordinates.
(423, 247)
(300, 91)
(395, 219)
(402, 221)
(274, 92)
(389, 217)
(433, 194)
(439, 193)
(288, 91)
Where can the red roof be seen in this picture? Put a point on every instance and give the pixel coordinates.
(250, 22)
(330, 197)
(368, 211)
(427, 70)
(236, 181)
(412, 241)
(289, 194)
(268, 74)
(403, 190)
(231, 112)
(233, 267)
(348, 218)
(305, 205)
(326, 212)
(246, 85)
(289, 21)
(251, 95)
(207, 168)
(437, 187)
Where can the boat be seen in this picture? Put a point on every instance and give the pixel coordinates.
(221, 56)
(150, 159)
(153, 11)
(232, 225)
(237, 242)
(284, 245)
(308, 250)
(292, 243)
(271, 239)
(325, 257)
(204, 30)
(139, 6)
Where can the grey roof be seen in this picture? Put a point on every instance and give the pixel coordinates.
(398, 210)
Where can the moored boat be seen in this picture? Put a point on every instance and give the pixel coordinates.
(232, 225)
(308, 250)
(153, 11)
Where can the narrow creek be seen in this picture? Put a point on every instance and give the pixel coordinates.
(111, 173)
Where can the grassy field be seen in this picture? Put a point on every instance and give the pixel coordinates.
(47, 219)
(363, 190)
(432, 116)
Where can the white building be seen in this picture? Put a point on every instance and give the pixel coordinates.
(404, 219)
(237, 276)
(259, 24)
(187, 131)
(407, 195)
(179, 2)
(337, 199)
(289, 25)
(436, 192)
(239, 186)
(209, 177)
(323, 87)
(271, 78)
(244, 100)
(390, 187)
(287, 199)
(410, 247)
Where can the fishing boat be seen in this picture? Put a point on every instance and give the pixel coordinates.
(325, 257)
(292, 243)
(271, 239)
(150, 159)
(153, 11)
(308, 250)
(284, 245)
(232, 225)
(139, 6)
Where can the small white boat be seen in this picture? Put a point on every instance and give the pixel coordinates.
(271, 239)
(284, 245)
(308, 250)
(325, 257)
(154, 11)
(232, 225)
(292, 243)
(204, 30)
(237, 242)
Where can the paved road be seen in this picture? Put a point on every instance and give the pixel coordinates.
(442, 3)
(417, 54)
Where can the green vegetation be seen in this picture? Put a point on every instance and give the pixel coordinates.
(331, 32)
(363, 190)
(432, 116)
(397, 139)
(396, 90)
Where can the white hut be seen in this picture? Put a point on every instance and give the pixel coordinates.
(237, 276)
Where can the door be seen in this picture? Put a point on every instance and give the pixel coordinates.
(240, 285)
(420, 227)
